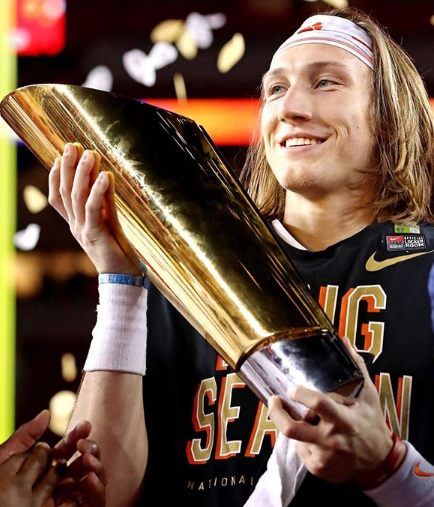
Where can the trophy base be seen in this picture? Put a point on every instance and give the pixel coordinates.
(318, 362)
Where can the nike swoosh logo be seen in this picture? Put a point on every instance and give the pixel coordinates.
(419, 473)
(373, 265)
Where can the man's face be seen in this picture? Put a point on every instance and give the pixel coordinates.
(315, 120)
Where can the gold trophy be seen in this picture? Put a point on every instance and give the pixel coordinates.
(205, 244)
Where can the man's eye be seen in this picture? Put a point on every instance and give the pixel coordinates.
(324, 82)
(276, 90)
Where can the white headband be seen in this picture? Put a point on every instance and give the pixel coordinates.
(335, 31)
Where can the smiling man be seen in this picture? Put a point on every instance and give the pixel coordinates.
(347, 135)
(344, 174)
(318, 138)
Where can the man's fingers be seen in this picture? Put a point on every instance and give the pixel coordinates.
(282, 419)
(54, 197)
(297, 430)
(112, 216)
(304, 431)
(67, 174)
(326, 408)
(81, 185)
(369, 391)
(95, 201)
(356, 357)
(95, 170)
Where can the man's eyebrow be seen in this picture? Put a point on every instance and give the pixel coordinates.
(312, 65)
(273, 72)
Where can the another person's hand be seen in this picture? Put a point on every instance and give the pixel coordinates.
(26, 479)
(85, 199)
(33, 475)
(25, 436)
(350, 438)
(84, 479)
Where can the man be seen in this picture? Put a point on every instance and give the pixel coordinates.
(29, 477)
(345, 163)
(351, 165)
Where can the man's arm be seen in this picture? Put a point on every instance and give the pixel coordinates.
(411, 484)
(111, 400)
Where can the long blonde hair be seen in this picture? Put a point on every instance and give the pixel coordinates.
(403, 129)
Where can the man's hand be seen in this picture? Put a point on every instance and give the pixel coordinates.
(348, 439)
(85, 198)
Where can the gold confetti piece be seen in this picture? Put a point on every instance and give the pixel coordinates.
(69, 367)
(180, 90)
(187, 46)
(168, 31)
(35, 200)
(231, 53)
(337, 4)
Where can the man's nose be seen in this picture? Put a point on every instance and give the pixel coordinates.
(296, 104)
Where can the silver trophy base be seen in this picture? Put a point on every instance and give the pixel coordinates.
(318, 362)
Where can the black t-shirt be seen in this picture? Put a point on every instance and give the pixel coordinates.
(209, 436)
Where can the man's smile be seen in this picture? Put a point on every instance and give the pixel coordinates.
(301, 141)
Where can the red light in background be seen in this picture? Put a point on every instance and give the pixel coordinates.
(229, 122)
(40, 27)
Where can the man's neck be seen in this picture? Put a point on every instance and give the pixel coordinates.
(319, 225)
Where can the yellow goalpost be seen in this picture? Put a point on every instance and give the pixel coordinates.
(8, 169)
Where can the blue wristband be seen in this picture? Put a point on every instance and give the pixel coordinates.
(134, 280)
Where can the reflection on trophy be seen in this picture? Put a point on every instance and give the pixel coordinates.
(206, 247)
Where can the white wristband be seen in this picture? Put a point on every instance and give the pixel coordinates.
(119, 336)
(412, 484)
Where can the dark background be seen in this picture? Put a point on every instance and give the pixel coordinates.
(57, 313)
